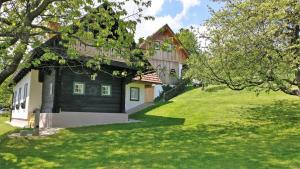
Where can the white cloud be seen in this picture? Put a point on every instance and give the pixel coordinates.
(187, 5)
(148, 27)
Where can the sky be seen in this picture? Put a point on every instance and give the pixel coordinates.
(177, 13)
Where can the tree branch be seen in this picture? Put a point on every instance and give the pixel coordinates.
(40, 9)
(7, 22)
(13, 66)
(9, 43)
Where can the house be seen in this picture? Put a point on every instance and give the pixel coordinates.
(76, 96)
(169, 62)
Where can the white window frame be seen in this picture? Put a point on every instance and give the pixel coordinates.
(25, 93)
(15, 97)
(106, 90)
(20, 95)
(132, 97)
(81, 86)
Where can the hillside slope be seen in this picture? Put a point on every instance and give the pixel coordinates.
(217, 128)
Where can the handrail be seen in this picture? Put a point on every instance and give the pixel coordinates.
(178, 89)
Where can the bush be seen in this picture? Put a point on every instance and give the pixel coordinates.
(165, 89)
(5, 114)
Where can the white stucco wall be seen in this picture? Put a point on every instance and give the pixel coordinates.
(35, 92)
(34, 95)
(131, 104)
(157, 90)
(78, 119)
(22, 113)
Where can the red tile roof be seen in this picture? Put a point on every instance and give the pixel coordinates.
(149, 77)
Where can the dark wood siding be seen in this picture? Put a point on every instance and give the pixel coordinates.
(47, 97)
(92, 101)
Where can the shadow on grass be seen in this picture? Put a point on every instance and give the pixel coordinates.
(265, 137)
(4, 136)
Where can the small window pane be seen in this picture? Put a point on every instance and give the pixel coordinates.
(157, 45)
(105, 90)
(15, 97)
(25, 91)
(79, 88)
(134, 94)
(170, 48)
(19, 96)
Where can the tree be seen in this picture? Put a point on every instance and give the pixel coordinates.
(5, 94)
(188, 40)
(253, 43)
(24, 26)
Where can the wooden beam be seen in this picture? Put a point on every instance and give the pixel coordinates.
(57, 91)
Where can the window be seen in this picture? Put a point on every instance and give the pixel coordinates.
(78, 88)
(15, 100)
(23, 104)
(134, 94)
(19, 96)
(173, 72)
(105, 90)
(25, 92)
(169, 47)
(157, 45)
(15, 97)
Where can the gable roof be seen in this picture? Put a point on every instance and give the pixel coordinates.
(53, 41)
(166, 29)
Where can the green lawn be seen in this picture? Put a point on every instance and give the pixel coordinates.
(213, 129)
(4, 128)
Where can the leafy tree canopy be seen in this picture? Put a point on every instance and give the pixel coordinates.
(189, 40)
(253, 43)
(5, 94)
(102, 24)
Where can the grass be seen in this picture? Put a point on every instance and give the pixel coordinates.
(4, 128)
(217, 128)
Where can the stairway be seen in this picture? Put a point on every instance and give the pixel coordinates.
(178, 89)
(139, 108)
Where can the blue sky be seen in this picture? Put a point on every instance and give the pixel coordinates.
(195, 16)
(177, 13)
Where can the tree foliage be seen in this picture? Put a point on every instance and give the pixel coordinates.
(104, 25)
(189, 40)
(253, 43)
(6, 94)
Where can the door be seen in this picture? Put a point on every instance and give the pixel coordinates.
(149, 93)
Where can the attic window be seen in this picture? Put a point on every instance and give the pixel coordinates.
(169, 47)
(157, 45)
